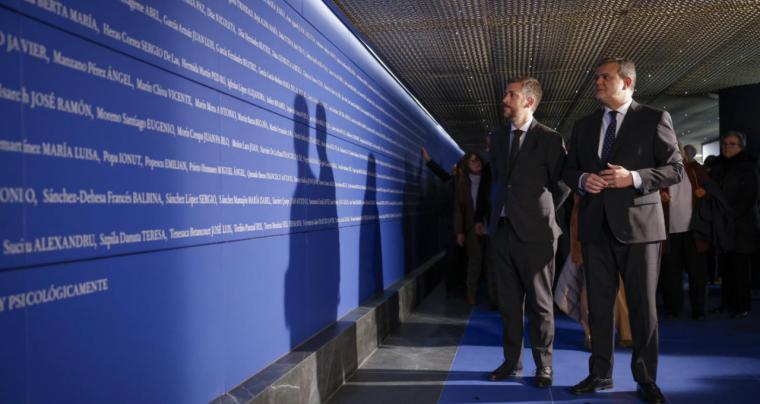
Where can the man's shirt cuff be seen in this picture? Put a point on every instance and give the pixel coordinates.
(636, 180)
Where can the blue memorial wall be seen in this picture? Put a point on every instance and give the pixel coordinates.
(190, 189)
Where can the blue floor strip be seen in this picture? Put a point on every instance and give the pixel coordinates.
(713, 361)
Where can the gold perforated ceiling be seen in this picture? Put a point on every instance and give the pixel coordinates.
(456, 55)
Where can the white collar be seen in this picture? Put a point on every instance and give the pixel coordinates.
(523, 128)
(622, 110)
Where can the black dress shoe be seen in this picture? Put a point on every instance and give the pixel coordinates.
(544, 377)
(650, 393)
(504, 372)
(590, 385)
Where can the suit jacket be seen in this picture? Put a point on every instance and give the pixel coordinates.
(645, 143)
(531, 192)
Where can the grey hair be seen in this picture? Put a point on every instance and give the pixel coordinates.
(626, 67)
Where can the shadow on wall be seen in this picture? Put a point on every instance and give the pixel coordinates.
(324, 247)
(417, 226)
(408, 212)
(427, 222)
(313, 277)
(370, 243)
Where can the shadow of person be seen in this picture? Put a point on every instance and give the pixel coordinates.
(312, 281)
(370, 243)
(414, 227)
(297, 276)
(324, 244)
(409, 207)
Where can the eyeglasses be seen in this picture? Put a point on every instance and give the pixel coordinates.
(729, 144)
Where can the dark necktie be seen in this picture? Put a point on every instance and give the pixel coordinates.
(609, 137)
(514, 147)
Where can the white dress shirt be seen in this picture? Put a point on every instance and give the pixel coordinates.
(621, 113)
(524, 130)
(606, 122)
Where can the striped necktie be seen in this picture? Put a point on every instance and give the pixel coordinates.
(609, 137)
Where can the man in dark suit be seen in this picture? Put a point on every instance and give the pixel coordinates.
(526, 163)
(619, 159)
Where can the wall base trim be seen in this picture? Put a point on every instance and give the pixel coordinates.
(315, 370)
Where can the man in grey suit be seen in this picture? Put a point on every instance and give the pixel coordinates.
(620, 156)
(526, 164)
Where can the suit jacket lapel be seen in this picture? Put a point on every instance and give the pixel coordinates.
(626, 129)
(594, 133)
(528, 143)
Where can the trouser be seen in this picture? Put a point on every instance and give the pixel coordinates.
(682, 254)
(638, 264)
(477, 251)
(736, 288)
(524, 273)
(475, 248)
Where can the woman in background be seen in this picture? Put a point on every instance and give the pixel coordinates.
(472, 181)
(736, 175)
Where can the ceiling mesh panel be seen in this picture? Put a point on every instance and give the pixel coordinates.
(457, 55)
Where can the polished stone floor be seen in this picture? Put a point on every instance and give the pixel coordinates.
(412, 365)
(443, 353)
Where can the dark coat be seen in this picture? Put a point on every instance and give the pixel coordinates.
(464, 210)
(712, 220)
(439, 172)
(738, 182)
